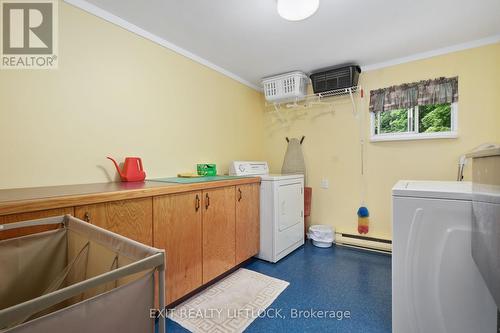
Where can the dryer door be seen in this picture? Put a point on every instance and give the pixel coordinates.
(290, 204)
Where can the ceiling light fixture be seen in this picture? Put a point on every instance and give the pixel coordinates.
(297, 10)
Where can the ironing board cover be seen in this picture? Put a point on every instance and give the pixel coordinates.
(294, 159)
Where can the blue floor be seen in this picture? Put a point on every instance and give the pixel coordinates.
(335, 279)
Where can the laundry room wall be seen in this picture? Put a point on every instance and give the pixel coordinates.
(332, 149)
(118, 94)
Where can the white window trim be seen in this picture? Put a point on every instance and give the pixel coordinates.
(453, 134)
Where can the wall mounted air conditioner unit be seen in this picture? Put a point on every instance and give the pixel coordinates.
(335, 78)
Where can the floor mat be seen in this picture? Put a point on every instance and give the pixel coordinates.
(231, 304)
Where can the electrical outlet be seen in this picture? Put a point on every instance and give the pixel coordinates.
(325, 183)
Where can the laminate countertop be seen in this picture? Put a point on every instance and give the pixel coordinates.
(22, 200)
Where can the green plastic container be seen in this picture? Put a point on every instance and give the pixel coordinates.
(206, 169)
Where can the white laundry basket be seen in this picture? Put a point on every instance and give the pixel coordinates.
(321, 235)
(285, 87)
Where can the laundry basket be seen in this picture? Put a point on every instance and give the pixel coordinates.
(78, 278)
(285, 87)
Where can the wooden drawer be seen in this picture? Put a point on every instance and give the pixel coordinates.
(31, 216)
(130, 218)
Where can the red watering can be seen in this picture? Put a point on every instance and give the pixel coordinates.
(132, 169)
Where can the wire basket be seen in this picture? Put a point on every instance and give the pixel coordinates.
(284, 87)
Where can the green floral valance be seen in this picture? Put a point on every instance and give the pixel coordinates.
(438, 91)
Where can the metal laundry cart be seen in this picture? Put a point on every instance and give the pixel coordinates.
(78, 278)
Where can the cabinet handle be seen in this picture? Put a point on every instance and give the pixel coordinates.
(86, 217)
(240, 195)
(197, 204)
(207, 201)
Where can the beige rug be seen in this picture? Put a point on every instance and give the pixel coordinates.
(231, 304)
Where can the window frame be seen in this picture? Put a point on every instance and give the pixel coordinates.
(413, 121)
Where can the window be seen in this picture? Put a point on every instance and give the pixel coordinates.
(419, 122)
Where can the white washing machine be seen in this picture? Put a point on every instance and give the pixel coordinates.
(281, 209)
(436, 286)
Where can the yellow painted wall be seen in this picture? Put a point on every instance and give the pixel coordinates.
(331, 147)
(118, 94)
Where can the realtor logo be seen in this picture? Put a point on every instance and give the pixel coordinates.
(29, 34)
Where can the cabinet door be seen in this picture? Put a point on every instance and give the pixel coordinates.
(218, 231)
(247, 221)
(178, 230)
(130, 218)
(31, 216)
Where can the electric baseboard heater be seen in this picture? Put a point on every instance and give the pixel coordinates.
(364, 242)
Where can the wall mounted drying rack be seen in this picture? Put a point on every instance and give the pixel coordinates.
(314, 100)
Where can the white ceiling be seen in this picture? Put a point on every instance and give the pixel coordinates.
(249, 39)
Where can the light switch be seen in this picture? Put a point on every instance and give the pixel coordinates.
(324, 183)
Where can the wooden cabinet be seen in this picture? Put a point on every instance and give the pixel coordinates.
(218, 231)
(200, 232)
(129, 218)
(206, 228)
(178, 230)
(247, 221)
(31, 216)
